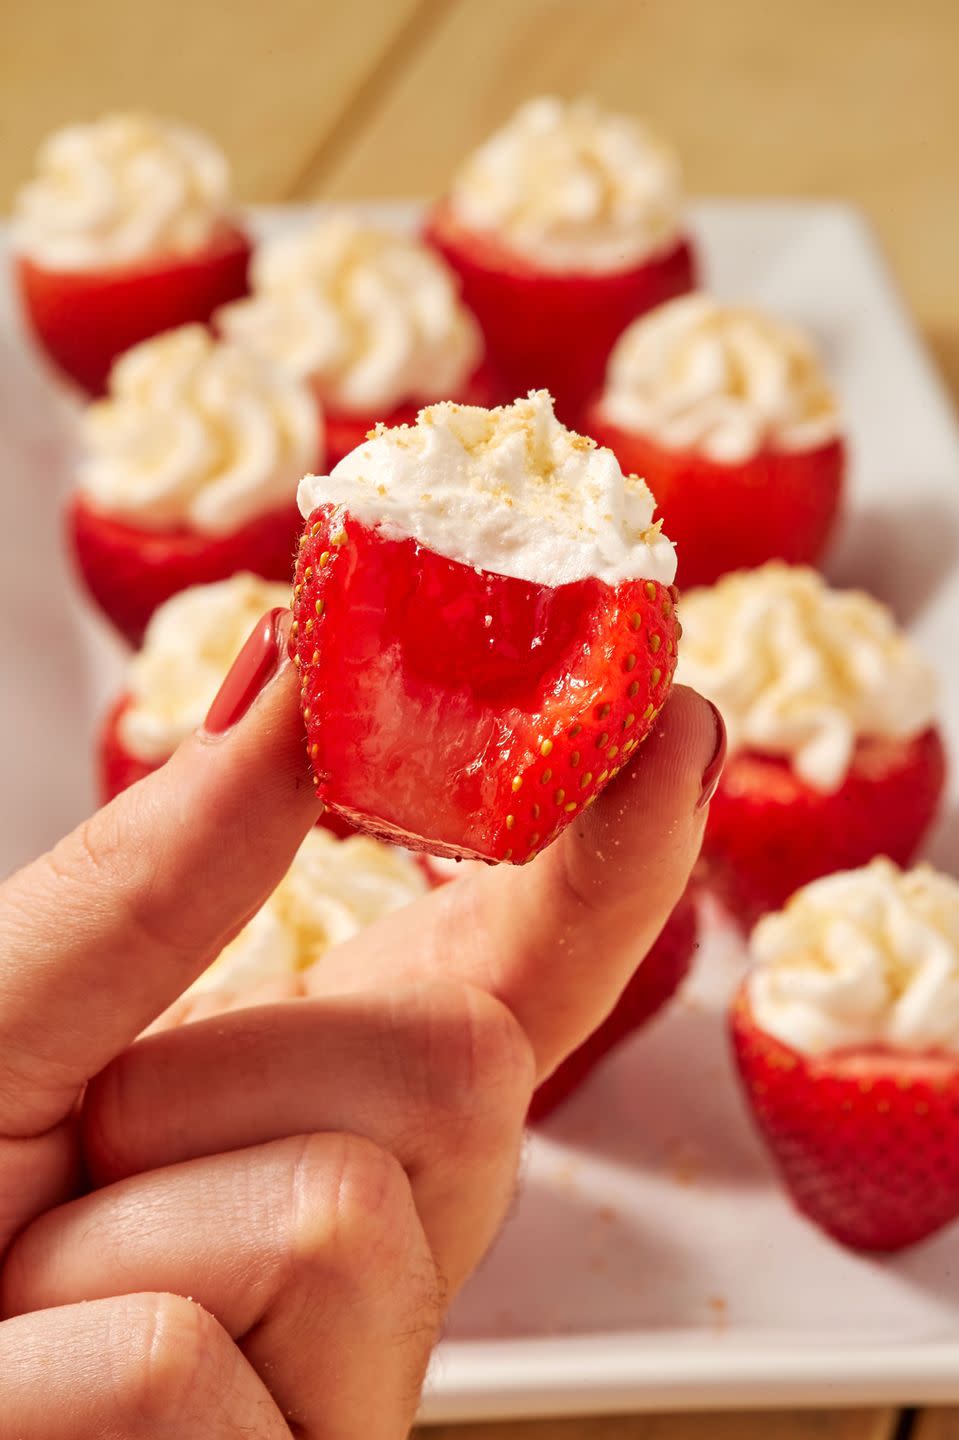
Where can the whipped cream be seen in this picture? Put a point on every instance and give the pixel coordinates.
(333, 889)
(189, 645)
(197, 433)
(803, 671)
(572, 188)
(864, 957)
(722, 379)
(374, 318)
(124, 189)
(510, 491)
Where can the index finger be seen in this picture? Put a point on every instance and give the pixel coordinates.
(101, 934)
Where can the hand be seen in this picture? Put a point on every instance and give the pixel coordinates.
(319, 1177)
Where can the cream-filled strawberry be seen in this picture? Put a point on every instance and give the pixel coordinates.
(188, 648)
(333, 890)
(128, 228)
(846, 1032)
(564, 226)
(728, 415)
(484, 628)
(371, 318)
(189, 473)
(834, 752)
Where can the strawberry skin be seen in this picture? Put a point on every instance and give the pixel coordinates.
(83, 320)
(769, 832)
(466, 713)
(129, 571)
(778, 505)
(867, 1141)
(654, 983)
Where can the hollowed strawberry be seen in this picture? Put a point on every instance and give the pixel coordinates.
(463, 712)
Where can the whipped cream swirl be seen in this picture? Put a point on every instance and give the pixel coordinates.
(189, 645)
(727, 381)
(571, 187)
(372, 317)
(510, 491)
(861, 958)
(198, 434)
(124, 189)
(333, 889)
(803, 671)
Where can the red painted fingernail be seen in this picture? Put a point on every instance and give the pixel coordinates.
(256, 663)
(713, 772)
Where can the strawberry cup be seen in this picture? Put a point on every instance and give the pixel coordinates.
(189, 474)
(846, 1036)
(653, 985)
(370, 318)
(563, 228)
(126, 231)
(835, 756)
(484, 628)
(727, 415)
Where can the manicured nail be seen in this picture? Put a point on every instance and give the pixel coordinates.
(714, 770)
(255, 665)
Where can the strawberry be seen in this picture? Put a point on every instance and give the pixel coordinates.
(553, 330)
(463, 712)
(776, 505)
(344, 432)
(769, 832)
(866, 1140)
(654, 983)
(129, 570)
(84, 319)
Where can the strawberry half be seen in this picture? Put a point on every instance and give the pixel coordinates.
(769, 832)
(653, 984)
(867, 1141)
(463, 712)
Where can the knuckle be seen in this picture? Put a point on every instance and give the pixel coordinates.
(482, 1063)
(176, 1364)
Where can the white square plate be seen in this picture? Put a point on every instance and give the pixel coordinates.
(652, 1260)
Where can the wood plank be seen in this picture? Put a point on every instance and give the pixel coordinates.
(269, 80)
(856, 100)
(753, 1425)
(935, 1424)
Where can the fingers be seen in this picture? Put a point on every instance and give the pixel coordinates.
(438, 1074)
(142, 1366)
(153, 886)
(556, 941)
(322, 1273)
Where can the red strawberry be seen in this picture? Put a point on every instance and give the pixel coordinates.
(769, 832)
(118, 768)
(344, 433)
(776, 505)
(129, 571)
(549, 330)
(867, 1140)
(655, 982)
(463, 712)
(84, 319)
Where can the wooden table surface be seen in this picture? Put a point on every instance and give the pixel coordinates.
(832, 98)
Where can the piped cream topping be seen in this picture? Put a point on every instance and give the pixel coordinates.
(510, 491)
(801, 670)
(127, 188)
(374, 318)
(572, 187)
(861, 958)
(197, 433)
(189, 645)
(333, 889)
(696, 374)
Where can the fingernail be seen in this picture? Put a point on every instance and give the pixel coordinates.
(255, 665)
(713, 772)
